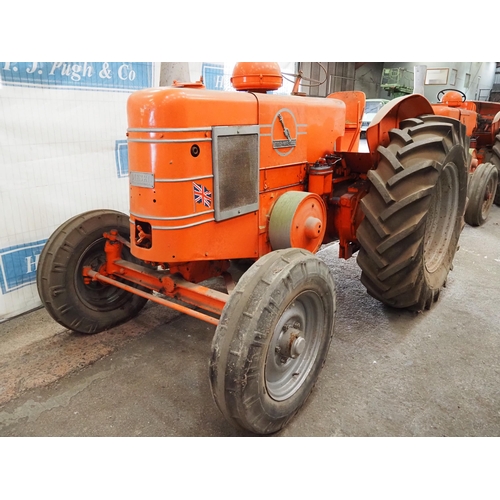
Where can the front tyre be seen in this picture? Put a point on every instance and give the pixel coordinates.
(494, 158)
(73, 303)
(272, 340)
(414, 212)
(482, 191)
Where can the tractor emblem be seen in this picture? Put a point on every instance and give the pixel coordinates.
(284, 125)
(285, 130)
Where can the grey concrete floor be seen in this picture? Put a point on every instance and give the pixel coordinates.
(389, 372)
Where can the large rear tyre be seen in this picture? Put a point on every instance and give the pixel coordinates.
(414, 212)
(79, 242)
(482, 191)
(272, 340)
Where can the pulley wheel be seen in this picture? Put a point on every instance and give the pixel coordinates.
(298, 220)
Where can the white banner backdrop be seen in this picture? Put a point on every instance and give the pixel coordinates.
(63, 151)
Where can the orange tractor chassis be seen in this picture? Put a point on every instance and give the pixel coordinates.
(244, 188)
(344, 210)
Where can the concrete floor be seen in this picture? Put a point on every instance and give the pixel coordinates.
(389, 372)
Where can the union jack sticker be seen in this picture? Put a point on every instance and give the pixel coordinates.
(202, 195)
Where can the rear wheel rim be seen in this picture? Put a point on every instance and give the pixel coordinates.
(285, 375)
(441, 218)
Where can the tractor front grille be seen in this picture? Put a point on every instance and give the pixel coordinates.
(236, 170)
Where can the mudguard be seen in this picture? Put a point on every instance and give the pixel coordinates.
(389, 117)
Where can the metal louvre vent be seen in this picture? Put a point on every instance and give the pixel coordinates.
(236, 170)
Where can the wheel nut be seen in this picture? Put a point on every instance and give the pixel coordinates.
(298, 347)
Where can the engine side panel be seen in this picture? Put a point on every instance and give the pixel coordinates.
(207, 166)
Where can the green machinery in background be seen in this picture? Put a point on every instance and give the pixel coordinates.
(397, 81)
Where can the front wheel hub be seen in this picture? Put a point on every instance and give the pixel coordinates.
(298, 346)
(291, 343)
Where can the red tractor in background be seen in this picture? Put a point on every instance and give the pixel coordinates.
(218, 179)
(482, 122)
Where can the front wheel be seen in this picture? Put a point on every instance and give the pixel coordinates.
(272, 340)
(414, 212)
(494, 157)
(482, 190)
(77, 305)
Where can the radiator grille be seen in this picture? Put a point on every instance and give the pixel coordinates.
(236, 170)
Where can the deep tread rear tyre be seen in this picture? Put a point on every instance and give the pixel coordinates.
(256, 382)
(414, 212)
(73, 304)
(482, 191)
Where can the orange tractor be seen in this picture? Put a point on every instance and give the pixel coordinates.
(482, 122)
(219, 179)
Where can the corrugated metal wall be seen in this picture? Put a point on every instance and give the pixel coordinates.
(335, 77)
(495, 91)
